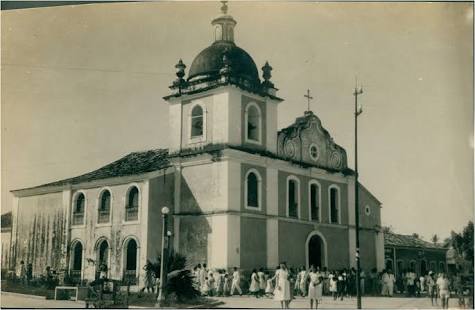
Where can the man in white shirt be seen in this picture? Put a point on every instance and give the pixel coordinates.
(236, 281)
(444, 293)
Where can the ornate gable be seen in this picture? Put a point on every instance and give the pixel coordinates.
(307, 141)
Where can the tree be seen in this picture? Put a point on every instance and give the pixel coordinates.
(463, 242)
(435, 238)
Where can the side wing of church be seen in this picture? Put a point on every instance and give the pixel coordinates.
(240, 192)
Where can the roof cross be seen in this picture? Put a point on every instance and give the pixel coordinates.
(308, 99)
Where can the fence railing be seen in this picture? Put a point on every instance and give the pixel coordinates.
(130, 277)
(103, 217)
(78, 218)
(131, 214)
(75, 276)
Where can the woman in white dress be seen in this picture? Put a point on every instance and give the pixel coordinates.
(315, 287)
(254, 288)
(282, 287)
(262, 281)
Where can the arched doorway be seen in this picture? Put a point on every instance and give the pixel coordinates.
(102, 256)
(76, 262)
(130, 263)
(316, 250)
(423, 267)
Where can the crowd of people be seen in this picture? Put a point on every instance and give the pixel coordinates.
(284, 283)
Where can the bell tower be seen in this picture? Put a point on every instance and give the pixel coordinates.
(222, 100)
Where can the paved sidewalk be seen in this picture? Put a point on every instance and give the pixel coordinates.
(15, 300)
(329, 303)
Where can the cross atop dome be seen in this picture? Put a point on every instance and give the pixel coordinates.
(224, 25)
(224, 7)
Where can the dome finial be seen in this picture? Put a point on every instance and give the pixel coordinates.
(224, 7)
(224, 25)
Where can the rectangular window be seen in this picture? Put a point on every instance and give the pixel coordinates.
(314, 200)
(293, 198)
(334, 205)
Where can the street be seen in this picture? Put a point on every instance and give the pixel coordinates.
(13, 300)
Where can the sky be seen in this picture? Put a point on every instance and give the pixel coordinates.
(82, 85)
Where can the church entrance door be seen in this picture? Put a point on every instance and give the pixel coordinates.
(316, 252)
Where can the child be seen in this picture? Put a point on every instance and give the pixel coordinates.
(219, 283)
(262, 281)
(254, 288)
(205, 287)
(269, 287)
(226, 287)
(333, 285)
(211, 284)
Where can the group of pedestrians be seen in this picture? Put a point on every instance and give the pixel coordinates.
(218, 282)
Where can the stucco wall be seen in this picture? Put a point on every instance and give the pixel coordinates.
(304, 197)
(368, 249)
(253, 243)
(40, 232)
(5, 258)
(194, 234)
(115, 233)
(406, 255)
(161, 190)
(292, 237)
(374, 217)
(204, 187)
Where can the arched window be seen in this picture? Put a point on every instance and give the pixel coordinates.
(253, 190)
(432, 266)
(412, 265)
(196, 121)
(76, 262)
(102, 257)
(253, 123)
(79, 209)
(441, 267)
(104, 207)
(334, 205)
(293, 197)
(130, 272)
(389, 264)
(132, 208)
(314, 201)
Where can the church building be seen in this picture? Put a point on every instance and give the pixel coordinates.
(240, 192)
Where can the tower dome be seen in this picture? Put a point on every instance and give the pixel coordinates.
(210, 61)
(224, 53)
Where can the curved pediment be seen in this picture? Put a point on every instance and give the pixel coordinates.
(307, 141)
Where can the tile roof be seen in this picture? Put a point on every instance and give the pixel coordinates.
(6, 221)
(392, 239)
(131, 164)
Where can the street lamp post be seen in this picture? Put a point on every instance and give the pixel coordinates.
(161, 297)
(357, 91)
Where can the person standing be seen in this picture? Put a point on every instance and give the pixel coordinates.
(282, 287)
(303, 281)
(236, 281)
(269, 286)
(21, 273)
(219, 283)
(254, 287)
(333, 284)
(385, 282)
(391, 281)
(362, 281)
(226, 289)
(432, 288)
(443, 287)
(262, 281)
(314, 287)
(29, 273)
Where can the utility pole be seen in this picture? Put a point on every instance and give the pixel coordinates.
(356, 92)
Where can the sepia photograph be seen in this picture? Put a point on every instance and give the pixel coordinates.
(237, 154)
